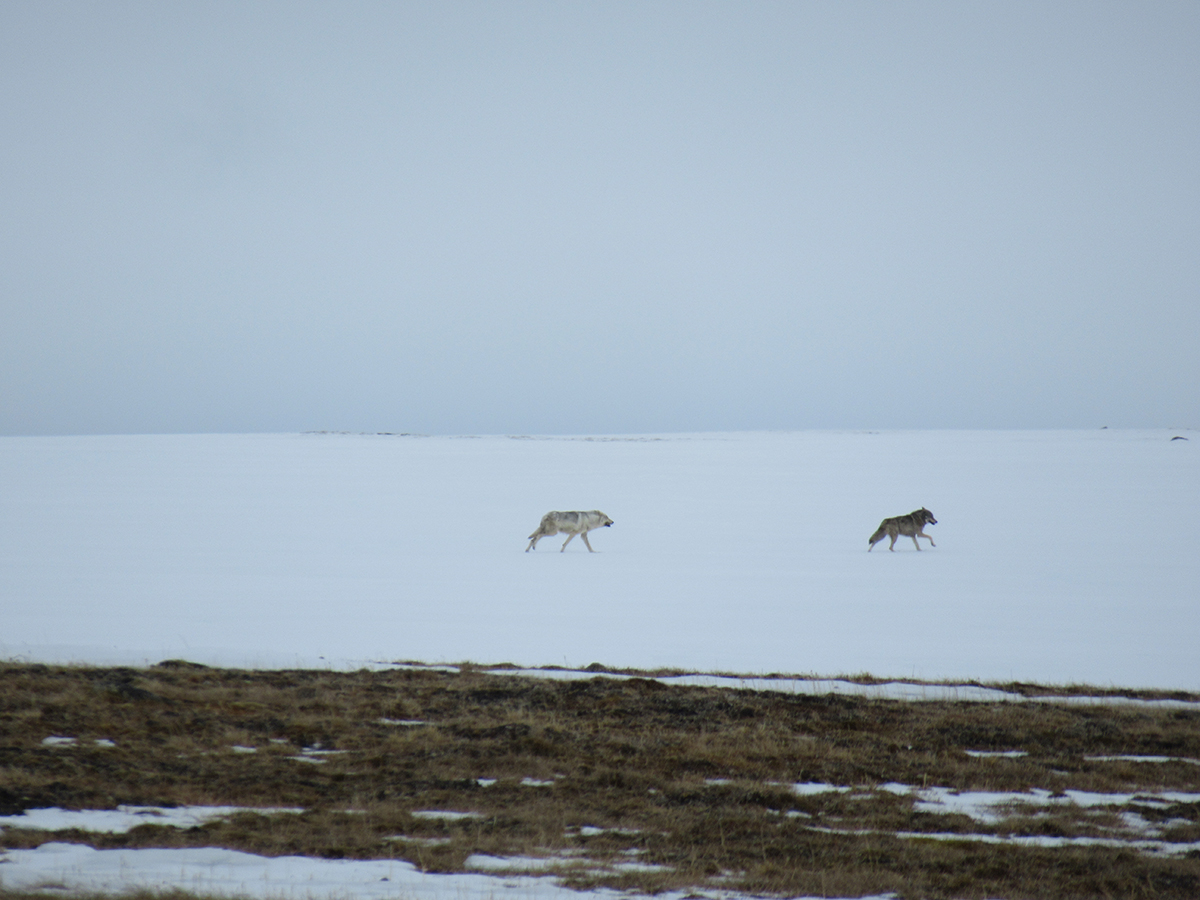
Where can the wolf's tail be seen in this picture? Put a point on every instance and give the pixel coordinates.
(878, 535)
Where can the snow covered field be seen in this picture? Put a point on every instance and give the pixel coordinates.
(1061, 556)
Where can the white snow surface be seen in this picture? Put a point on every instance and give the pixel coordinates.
(74, 868)
(1061, 557)
(126, 818)
(991, 807)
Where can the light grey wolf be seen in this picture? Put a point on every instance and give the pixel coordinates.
(569, 523)
(912, 525)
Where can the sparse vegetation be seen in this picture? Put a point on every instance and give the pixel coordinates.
(625, 783)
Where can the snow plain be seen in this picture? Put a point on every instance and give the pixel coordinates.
(1061, 557)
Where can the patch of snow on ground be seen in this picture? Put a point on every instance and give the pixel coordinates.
(996, 754)
(990, 807)
(126, 818)
(807, 788)
(1160, 848)
(896, 690)
(74, 868)
(485, 863)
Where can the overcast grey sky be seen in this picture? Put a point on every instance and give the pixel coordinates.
(568, 217)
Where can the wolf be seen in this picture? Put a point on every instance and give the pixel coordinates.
(569, 523)
(912, 525)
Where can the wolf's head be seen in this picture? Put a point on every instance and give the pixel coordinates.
(605, 521)
(925, 517)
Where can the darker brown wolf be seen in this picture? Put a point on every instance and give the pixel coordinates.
(912, 525)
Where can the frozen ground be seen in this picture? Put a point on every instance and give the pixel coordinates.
(79, 868)
(1061, 556)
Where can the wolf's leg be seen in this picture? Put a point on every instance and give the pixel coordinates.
(892, 546)
(916, 542)
(567, 541)
(928, 538)
(533, 543)
(586, 541)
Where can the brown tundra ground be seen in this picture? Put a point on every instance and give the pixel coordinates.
(621, 782)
